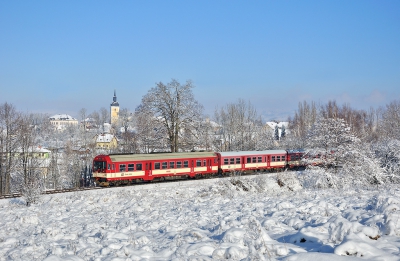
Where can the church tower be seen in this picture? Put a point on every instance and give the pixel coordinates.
(114, 110)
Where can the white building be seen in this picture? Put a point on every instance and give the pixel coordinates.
(61, 121)
(271, 125)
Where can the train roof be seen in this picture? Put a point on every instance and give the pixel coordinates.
(155, 156)
(245, 153)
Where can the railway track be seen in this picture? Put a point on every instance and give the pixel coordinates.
(57, 191)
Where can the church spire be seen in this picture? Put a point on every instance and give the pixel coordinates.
(115, 103)
(114, 109)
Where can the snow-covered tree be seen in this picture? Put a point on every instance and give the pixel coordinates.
(332, 138)
(387, 151)
(346, 160)
(9, 127)
(390, 123)
(150, 133)
(240, 126)
(173, 105)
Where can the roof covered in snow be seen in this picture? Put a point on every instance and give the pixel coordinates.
(105, 137)
(62, 117)
(272, 124)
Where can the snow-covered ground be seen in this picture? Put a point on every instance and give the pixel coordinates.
(248, 218)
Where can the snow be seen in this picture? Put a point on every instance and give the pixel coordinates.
(255, 219)
(105, 137)
(64, 117)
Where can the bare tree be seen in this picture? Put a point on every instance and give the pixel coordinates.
(83, 114)
(390, 123)
(104, 117)
(173, 105)
(125, 122)
(150, 133)
(9, 121)
(239, 126)
(303, 120)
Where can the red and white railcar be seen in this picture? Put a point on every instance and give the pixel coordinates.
(253, 160)
(295, 159)
(116, 169)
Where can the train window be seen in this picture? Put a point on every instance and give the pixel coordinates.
(157, 165)
(278, 158)
(139, 166)
(164, 165)
(248, 160)
(232, 161)
(131, 167)
(178, 164)
(237, 160)
(122, 167)
(99, 165)
(259, 159)
(254, 159)
(226, 161)
(172, 165)
(198, 163)
(283, 158)
(273, 158)
(204, 163)
(186, 164)
(109, 167)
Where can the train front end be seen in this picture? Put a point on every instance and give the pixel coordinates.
(101, 169)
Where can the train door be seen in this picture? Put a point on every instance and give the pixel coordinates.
(148, 170)
(209, 167)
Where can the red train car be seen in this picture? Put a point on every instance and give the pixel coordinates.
(253, 160)
(115, 169)
(294, 159)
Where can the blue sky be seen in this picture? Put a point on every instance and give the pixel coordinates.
(61, 56)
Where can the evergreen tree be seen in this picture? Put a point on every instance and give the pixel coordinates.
(283, 132)
(276, 134)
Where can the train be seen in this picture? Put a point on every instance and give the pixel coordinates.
(118, 169)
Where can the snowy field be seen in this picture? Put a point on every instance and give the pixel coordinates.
(252, 219)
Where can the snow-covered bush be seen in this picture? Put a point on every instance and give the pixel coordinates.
(388, 153)
(315, 177)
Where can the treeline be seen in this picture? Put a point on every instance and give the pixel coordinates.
(356, 147)
(35, 156)
(170, 119)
